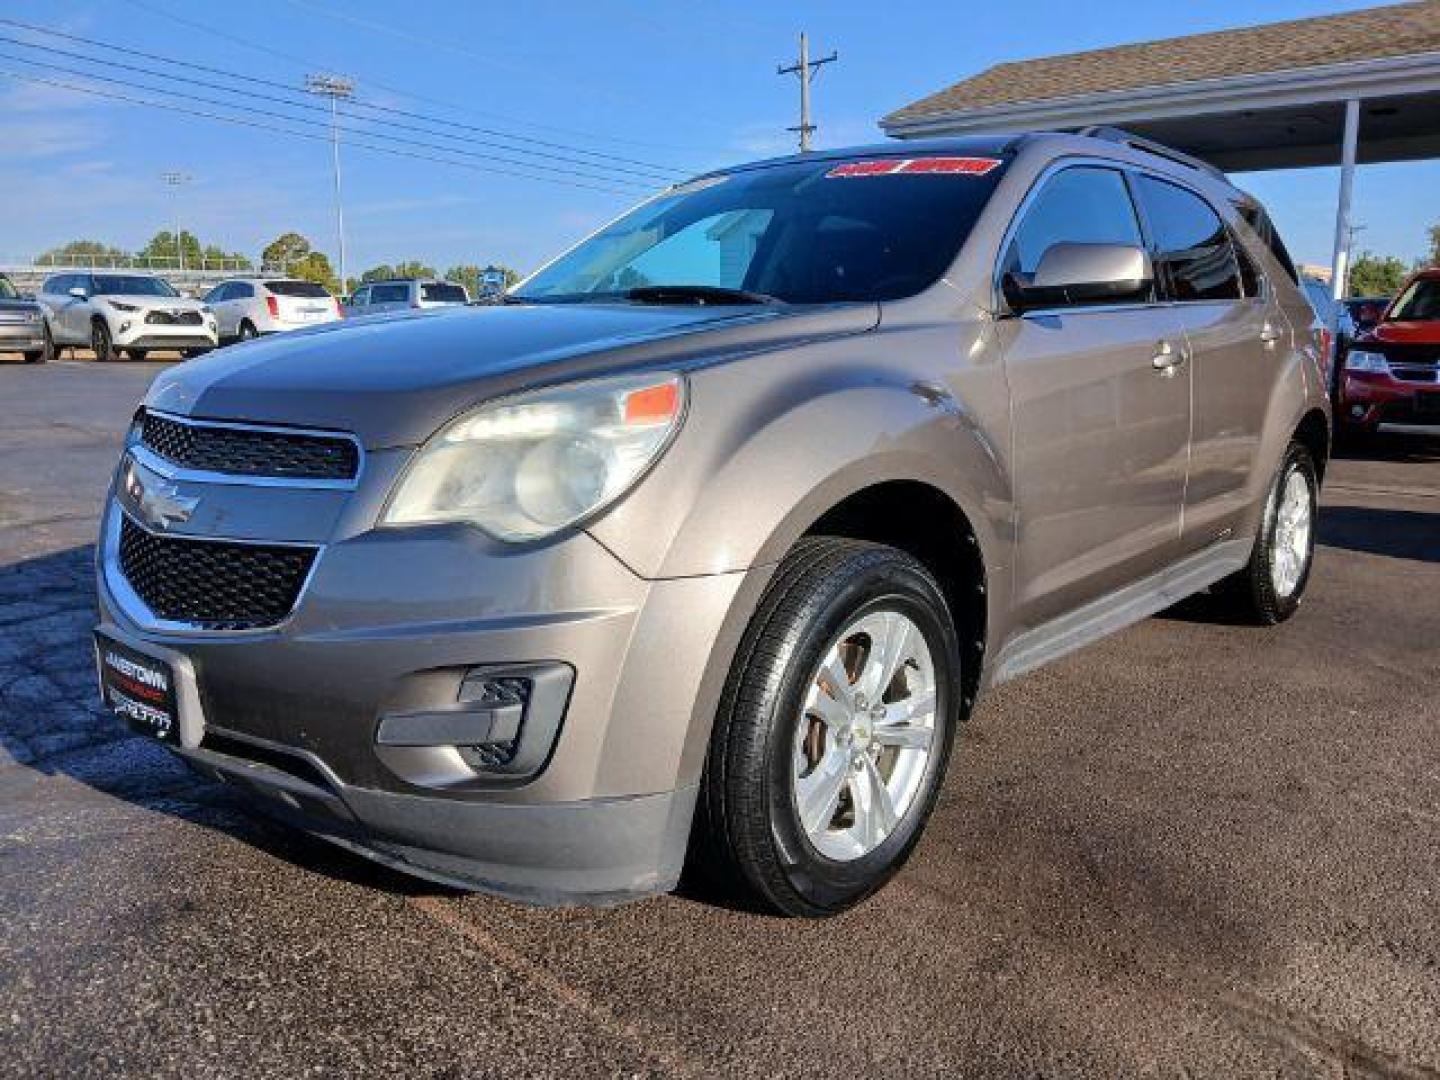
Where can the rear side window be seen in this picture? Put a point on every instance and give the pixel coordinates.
(241, 290)
(389, 294)
(1194, 255)
(298, 289)
(1081, 205)
(443, 294)
(1258, 220)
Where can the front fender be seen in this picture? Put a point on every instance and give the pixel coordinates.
(772, 443)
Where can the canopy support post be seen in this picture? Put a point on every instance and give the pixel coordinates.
(1340, 265)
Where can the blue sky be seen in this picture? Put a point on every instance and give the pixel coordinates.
(678, 85)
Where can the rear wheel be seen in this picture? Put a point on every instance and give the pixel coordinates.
(834, 729)
(247, 331)
(1269, 589)
(135, 354)
(101, 343)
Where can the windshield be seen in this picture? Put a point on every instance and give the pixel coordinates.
(1419, 303)
(131, 285)
(7, 290)
(803, 233)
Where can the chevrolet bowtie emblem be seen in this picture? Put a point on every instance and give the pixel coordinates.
(156, 500)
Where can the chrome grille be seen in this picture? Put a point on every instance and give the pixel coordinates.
(247, 451)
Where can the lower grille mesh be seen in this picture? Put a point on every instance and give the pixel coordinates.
(213, 583)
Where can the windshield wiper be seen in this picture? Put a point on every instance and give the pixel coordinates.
(697, 294)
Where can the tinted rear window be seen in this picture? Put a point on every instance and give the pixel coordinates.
(443, 294)
(297, 288)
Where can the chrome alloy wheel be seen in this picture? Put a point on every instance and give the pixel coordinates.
(1290, 547)
(865, 738)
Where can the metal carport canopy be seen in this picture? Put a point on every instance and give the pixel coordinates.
(1359, 87)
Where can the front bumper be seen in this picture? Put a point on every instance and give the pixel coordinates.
(394, 621)
(133, 332)
(1372, 399)
(22, 337)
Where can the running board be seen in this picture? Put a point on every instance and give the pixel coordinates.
(1103, 617)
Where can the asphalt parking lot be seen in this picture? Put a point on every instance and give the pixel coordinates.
(1193, 848)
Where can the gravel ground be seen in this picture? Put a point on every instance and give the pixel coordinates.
(1191, 848)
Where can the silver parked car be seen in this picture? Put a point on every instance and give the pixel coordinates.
(22, 325)
(248, 307)
(706, 540)
(405, 293)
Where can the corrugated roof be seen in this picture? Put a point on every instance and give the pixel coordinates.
(1374, 33)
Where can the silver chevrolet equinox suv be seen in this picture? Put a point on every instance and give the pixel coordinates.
(698, 549)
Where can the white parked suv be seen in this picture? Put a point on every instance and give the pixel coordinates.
(248, 307)
(402, 293)
(121, 311)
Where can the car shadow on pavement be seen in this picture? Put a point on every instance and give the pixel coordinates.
(52, 722)
(1400, 534)
(1394, 446)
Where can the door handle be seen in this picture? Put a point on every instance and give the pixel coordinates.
(1269, 336)
(1167, 359)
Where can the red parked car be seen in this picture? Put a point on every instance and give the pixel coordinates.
(1392, 373)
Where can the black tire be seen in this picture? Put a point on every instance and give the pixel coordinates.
(45, 354)
(1250, 595)
(135, 354)
(749, 832)
(101, 343)
(247, 331)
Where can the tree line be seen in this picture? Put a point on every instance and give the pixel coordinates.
(290, 251)
(1382, 275)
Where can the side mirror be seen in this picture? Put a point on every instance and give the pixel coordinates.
(79, 293)
(1074, 274)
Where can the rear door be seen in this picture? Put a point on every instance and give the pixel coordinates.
(1238, 342)
(1101, 434)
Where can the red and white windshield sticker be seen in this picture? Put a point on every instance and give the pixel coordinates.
(950, 166)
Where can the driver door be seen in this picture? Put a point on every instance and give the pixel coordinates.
(1100, 404)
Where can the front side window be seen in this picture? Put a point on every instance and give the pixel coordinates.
(131, 285)
(1419, 303)
(1079, 205)
(809, 232)
(1193, 255)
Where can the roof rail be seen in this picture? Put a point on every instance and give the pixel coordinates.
(1150, 146)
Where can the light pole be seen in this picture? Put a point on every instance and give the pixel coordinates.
(174, 180)
(336, 89)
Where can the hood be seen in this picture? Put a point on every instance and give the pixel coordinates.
(393, 380)
(153, 303)
(1408, 332)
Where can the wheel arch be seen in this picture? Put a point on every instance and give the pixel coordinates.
(1313, 433)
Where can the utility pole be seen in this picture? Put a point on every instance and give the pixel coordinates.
(806, 69)
(336, 89)
(174, 180)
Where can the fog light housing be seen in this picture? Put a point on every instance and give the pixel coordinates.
(1357, 411)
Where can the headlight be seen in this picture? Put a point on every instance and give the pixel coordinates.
(1361, 360)
(526, 467)
(118, 306)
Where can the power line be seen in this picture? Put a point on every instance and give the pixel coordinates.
(614, 182)
(649, 175)
(309, 64)
(260, 126)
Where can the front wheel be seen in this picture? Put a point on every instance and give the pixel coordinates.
(135, 354)
(833, 730)
(1269, 589)
(101, 343)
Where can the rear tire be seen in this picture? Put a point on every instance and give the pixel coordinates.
(101, 343)
(1269, 590)
(135, 354)
(247, 331)
(833, 730)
